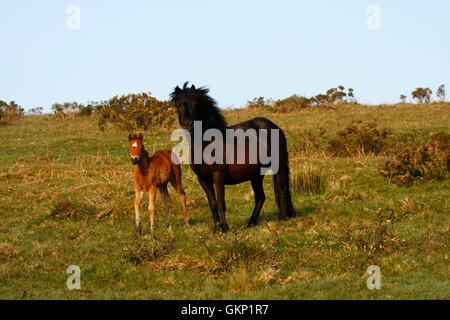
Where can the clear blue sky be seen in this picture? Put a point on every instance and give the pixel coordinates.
(240, 49)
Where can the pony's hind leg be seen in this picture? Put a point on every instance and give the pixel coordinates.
(260, 197)
(137, 209)
(166, 197)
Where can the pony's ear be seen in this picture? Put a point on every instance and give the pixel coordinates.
(141, 137)
(177, 90)
(193, 87)
(130, 137)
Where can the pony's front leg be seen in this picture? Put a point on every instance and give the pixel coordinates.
(151, 207)
(208, 187)
(137, 208)
(219, 183)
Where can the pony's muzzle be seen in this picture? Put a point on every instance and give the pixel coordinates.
(134, 160)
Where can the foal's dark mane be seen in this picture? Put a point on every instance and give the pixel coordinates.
(207, 110)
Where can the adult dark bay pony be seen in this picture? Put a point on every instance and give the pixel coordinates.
(196, 105)
(153, 173)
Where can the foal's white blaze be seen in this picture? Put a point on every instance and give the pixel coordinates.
(134, 145)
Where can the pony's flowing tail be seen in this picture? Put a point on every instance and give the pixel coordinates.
(281, 183)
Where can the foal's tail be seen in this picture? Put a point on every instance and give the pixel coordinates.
(281, 181)
(177, 183)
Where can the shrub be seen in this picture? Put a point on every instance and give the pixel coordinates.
(67, 209)
(233, 250)
(357, 139)
(85, 111)
(308, 142)
(64, 110)
(381, 236)
(72, 109)
(147, 252)
(292, 103)
(258, 103)
(307, 180)
(429, 160)
(441, 93)
(10, 111)
(334, 96)
(136, 111)
(422, 95)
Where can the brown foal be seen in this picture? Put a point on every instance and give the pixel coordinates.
(151, 173)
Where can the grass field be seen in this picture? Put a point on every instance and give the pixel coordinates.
(323, 253)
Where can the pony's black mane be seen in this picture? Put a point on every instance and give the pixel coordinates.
(207, 110)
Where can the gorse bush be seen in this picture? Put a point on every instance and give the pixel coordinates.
(409, 163)
(359, 139)
(10, 111)
(136, 111)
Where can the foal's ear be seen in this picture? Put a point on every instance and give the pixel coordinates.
(141, 137)
(130, 137)
(177, 90)
(193, 87)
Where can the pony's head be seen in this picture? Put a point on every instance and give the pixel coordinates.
(196, 105)
(135, 146)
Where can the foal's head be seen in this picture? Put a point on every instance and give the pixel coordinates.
(136, 145)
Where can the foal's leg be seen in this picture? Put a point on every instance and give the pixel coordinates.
(260, 197)
(177, 186)
(137, 209)
(219, 183)
(166, 196)
(208, 187)
(151, 207)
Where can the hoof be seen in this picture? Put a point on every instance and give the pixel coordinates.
(224, 228)
(139, 230)
(252, 224)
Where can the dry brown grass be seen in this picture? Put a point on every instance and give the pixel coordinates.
(307, 180)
